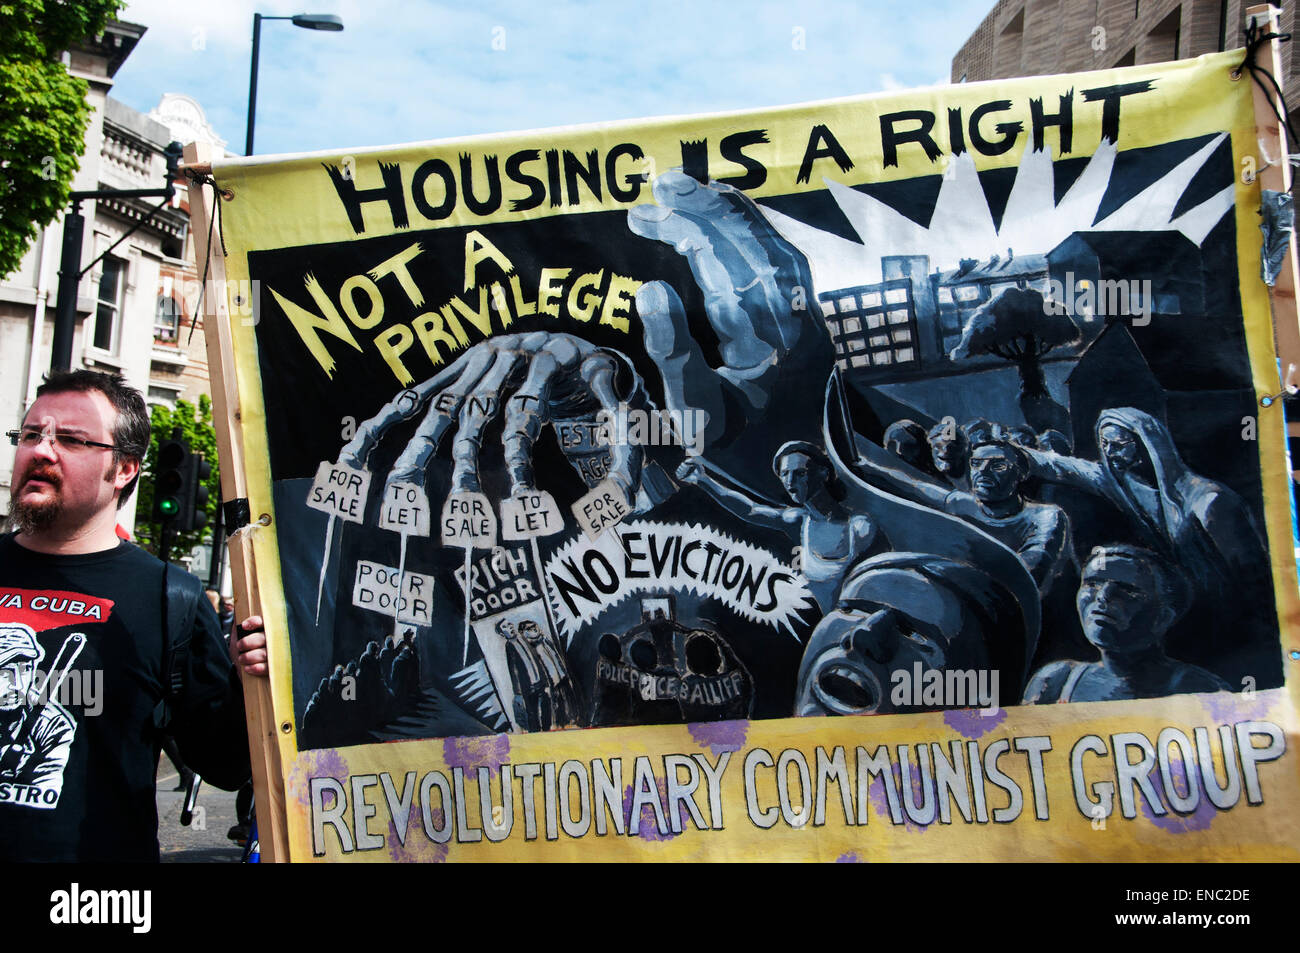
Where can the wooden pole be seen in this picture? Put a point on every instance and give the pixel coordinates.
(1275, 174)
(268, 780)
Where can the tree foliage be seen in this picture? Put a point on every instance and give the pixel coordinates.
(196, 430)
(1019, 326)
(43, 113)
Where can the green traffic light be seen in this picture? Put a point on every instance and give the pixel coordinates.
(168, 507)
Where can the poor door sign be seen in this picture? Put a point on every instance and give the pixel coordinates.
(375, 588)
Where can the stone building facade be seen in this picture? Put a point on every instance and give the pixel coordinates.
(136, 297)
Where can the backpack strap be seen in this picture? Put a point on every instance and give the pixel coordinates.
(181, 594)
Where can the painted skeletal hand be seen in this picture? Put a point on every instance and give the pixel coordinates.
(776, 353)
(533, 379)
(770, 387)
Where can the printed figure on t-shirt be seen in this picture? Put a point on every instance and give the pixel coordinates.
(35, 730)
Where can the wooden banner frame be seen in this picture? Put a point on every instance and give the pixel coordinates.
(1276, 175)
(268, 782)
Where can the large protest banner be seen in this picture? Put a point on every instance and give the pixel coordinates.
(584, 465)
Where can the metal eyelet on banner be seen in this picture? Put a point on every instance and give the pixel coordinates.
(263, 520)
(1288, 388)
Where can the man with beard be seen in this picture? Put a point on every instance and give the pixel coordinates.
(141, 630)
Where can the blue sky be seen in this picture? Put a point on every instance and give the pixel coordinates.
(407, 71)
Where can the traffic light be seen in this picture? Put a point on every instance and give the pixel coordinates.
(193, 514)
(172, 483)
(174, 153)
(179, 491)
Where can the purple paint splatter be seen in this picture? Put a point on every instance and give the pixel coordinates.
(396, 852)
(973, 722)
(648, 828)
(849, 859)
(719, 736)
(324, 763)
(418, 848)
(1226, 708)
(439, 819)
(491, 751)
(880, 800)
(1199, 820)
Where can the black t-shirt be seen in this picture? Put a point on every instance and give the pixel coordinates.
(81, 674)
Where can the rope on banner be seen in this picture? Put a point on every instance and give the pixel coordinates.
(1255, 40)
(207, 179)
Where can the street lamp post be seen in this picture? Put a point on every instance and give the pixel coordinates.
(308, 21)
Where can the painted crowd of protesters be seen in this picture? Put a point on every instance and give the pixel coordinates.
(1143, 567)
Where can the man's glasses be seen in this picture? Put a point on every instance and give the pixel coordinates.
(31, 438)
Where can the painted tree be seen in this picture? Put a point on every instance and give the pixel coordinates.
(196, 429)
(43, 114)
(1021, 327)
